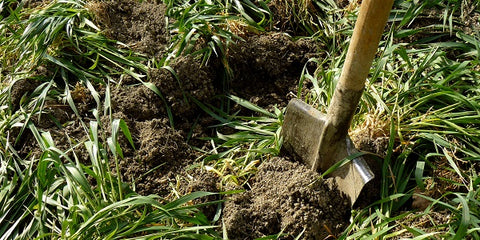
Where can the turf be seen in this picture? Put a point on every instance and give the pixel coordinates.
(422, 96)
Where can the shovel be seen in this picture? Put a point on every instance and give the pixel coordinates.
(321, 140)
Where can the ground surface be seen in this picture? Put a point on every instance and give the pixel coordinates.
(287, 196)
(283, 196)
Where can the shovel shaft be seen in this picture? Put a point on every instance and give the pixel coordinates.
(368, 30)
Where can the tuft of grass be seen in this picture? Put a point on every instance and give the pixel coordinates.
(206, 28)
(312, 17)
(54, 194)
(234, 157)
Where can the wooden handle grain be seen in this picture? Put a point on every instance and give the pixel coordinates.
(368, 30)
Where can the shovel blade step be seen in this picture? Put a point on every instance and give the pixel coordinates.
(301, 131)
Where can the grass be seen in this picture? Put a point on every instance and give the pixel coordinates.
(214, 23)
(54, 199)
(234, 157)
(54, 194)
(428, 102)
(423, 90)
(431, 101)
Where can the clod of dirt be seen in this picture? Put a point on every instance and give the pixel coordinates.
(267, 67)
(201, 180)
(372, 135)
(21, 88)
(161, 155)
(160, 144)
(65, 138)
(137, 102)
(286, 196)
(194, 80)
(141, 26)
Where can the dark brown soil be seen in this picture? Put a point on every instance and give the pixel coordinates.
(162, 152)
(192, 80)
(142, 26)
(198, 179)
(267, 68)
(137, 102)
(20, 89)
(286, 197)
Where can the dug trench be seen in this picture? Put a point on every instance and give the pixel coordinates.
(284, 196)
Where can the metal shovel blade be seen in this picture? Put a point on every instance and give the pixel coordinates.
(301, 132)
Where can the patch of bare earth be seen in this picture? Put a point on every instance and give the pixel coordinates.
(290, 198)
(267, 68)
(140, 25)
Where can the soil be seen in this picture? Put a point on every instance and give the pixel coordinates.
(286, 197)
(266, 68)
(140, 25)
(198, 179)
(21, 88)
(161, 152)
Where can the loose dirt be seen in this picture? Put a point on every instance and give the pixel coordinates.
(266, 69)
(140, 25)
(286, 197)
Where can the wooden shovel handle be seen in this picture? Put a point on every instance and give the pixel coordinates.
(368, 30)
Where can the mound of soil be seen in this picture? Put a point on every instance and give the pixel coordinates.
(21, 88)
(200, 180)
(192, 80)
(140, 25)
(266, 68)
(286, 196)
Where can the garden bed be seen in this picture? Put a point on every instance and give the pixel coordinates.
(174, 112)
